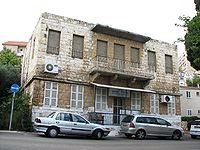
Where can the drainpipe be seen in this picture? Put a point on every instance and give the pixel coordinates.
(94, 98)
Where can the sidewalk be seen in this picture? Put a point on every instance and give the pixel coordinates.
(115, 130)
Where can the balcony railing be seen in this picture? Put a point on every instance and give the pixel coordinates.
(117, 66)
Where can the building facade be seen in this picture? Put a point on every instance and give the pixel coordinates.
(190, 101)
(186, 71)
(73, 65)
(18, 47)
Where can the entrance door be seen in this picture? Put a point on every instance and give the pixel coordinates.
(118, 105)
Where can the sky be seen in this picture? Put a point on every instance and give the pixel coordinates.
(153, 18)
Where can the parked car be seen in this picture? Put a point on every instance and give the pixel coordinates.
(141, 126)
(69, 123)
(195, 129)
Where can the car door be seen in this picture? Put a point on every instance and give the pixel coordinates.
(64, 122)
(164, 128)
(80, 125)
(152, 126)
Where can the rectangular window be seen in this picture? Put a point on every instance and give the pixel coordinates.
(119, 51)
(135, 56)
(189, 112)
(197, 94)
(77, 96)
(101, 48)
(198, 112)
(188, 94)
(53, 44)
(101, 99)
(168, 64)
(50, 94)
(119, 57)
(77, 46)
(172, 106)
(154, 104)
(136, 101)
(152, 61)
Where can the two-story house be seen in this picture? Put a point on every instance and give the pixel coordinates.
(18, 47)
(190, 101)
(77, 66)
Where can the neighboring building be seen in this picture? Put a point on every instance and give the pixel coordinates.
(16, 46)
(186, 71)
(190, 101)
(73, 65)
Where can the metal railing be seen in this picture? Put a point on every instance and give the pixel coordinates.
(106, 64)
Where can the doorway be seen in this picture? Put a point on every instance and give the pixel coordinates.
(119, 104)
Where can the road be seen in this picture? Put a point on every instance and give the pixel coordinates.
(30, 141)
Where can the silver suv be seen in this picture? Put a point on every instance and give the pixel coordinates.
(142, 126)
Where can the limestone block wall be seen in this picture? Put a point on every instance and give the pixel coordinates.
(166, 83)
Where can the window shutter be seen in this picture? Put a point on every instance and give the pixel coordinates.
(151, 58)
(134, 55)
(119, 51)
(101, 48)
(168, 64)
(77, 46)
(53, 45)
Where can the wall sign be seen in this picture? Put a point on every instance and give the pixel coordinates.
(119, 92)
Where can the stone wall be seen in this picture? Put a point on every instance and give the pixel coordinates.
(77, 71)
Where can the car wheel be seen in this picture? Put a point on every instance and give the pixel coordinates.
(52, 132)
(128, 135)
(176, 135)
(140, 134)
(193, 136)
(98, 134)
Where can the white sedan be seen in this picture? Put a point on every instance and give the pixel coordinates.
(69, 123)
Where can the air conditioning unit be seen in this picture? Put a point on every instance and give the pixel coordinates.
(166, 99)
(51, 67)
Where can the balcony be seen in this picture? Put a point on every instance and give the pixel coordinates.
(124, 69)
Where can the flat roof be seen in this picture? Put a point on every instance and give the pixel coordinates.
(120, 33)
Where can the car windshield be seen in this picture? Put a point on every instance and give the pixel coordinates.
(51, 115)
(128, 118)
(195, 123)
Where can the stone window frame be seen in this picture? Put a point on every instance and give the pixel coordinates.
(101, 105)
(50, 94)
(133, 61)
(168, 64)
(77, 52)
(77, 91)
(154, 104)
(152, 60)
(56, 48)
(136, 101)
(98, 49)
(171, 106)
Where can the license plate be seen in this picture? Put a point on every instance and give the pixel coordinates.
(196, 126)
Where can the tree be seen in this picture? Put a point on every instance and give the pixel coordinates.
(197, 3)
(192, 42)
(192, 36)
(10, 66)
(194, 82)
(9, 57)
(22, 113)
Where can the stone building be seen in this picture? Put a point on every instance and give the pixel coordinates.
(73, 65)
